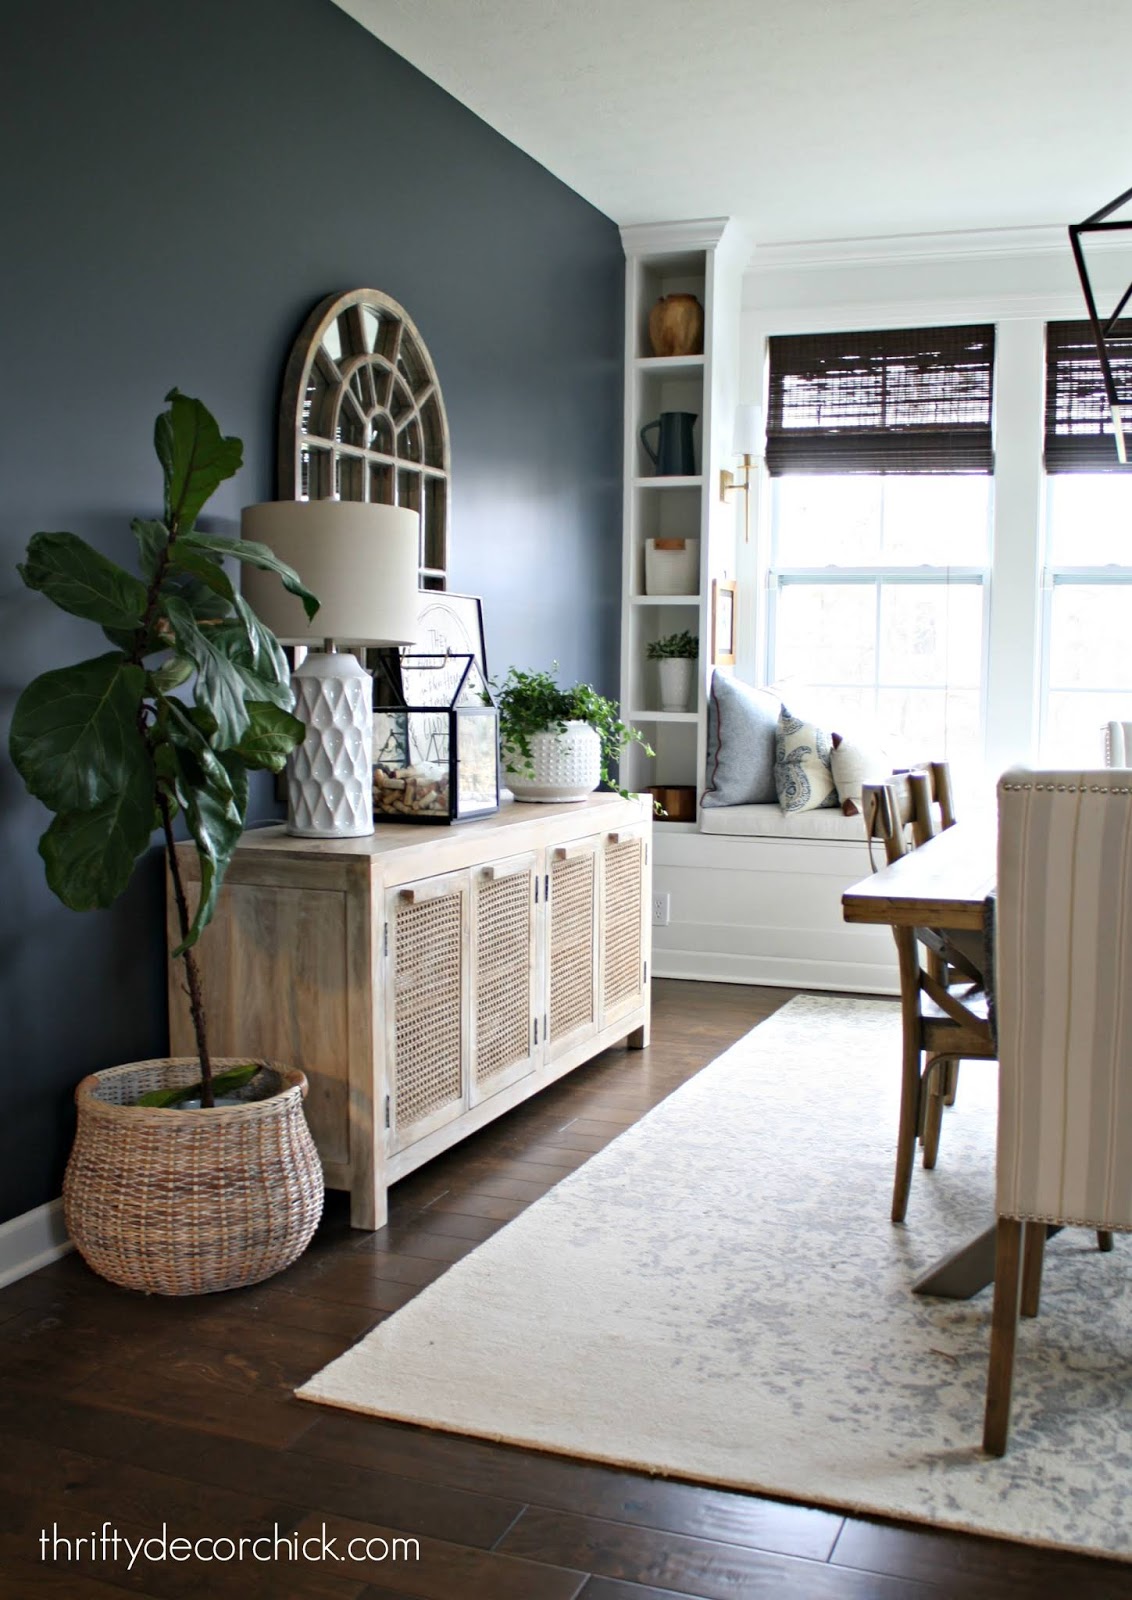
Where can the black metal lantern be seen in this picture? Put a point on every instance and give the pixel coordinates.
(1104, 327)
(435, 740)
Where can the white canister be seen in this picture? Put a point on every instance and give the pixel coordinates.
(672, 566)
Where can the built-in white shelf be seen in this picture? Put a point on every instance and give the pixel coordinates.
(669, 483)
(664, 600)
(663, 366)
(663, 716)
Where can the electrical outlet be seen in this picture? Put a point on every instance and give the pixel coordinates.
(661, 905)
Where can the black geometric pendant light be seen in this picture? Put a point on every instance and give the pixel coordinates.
(1120, 400)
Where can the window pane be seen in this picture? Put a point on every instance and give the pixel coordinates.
(865, 521)
(923, 724)
(1073, 735)
(825, 633)
(1090, 644)
(1090, 519)
(828, 521)
(940, 521)
(931, 634)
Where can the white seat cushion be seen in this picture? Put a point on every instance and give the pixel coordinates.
(771, 822)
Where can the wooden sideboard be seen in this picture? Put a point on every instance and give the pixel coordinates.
(427, 979)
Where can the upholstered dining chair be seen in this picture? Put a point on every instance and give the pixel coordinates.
(1064, 1019)
(1118, 744)
(944, 1010)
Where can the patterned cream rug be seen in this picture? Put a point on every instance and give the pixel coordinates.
(720, 1296)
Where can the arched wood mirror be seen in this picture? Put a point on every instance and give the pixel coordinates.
(362, 417)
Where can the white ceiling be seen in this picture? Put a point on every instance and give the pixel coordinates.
(805, 119)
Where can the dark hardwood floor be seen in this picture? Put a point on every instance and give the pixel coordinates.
(142, 1412)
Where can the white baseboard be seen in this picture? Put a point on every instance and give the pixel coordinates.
(842, 977)
(30, 1241)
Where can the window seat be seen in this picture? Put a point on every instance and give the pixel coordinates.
(754, 896)
(771, 822)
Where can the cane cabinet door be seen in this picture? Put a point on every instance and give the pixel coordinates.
(506, 1021)
(623, 944)
(571, 919)
(426, 1013)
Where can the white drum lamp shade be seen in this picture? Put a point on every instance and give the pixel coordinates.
(361, 562)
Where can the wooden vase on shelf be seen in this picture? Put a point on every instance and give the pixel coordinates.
(676, 326)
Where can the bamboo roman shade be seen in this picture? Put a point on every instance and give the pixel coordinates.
(894, 400)
(1079, 435)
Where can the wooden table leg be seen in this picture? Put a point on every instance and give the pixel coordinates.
(965, 1271)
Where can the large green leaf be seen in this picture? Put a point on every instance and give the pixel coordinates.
(177, 723)
(90, 855)
(170, 674)
(257, 555)
(75, 738)
(153, 541)
(272, 735)
(266, 653)
(220, 687)
(194, 456)
(231, 639)
(82, 581)
(215, 820)
(185, 557)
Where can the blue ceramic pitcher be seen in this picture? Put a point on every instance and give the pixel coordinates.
(675, 455)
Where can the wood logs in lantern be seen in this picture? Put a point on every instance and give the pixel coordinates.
(676, 326)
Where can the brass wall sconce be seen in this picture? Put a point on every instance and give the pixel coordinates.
(748, 441)
(1103, 328)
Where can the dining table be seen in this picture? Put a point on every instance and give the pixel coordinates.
(947, 884)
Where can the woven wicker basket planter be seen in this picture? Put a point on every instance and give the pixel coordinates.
(174, 1201)
(567, 766)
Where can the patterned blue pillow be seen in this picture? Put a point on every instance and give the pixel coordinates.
(803, 776)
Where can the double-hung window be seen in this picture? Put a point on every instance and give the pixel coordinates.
(880, 457)
(1087, 633)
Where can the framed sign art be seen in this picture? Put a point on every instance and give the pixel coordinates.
(723, 602)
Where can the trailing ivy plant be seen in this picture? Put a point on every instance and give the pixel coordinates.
(108, 745)
(533, 702)
(682, 646)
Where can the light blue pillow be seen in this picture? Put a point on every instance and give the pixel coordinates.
(742, 725)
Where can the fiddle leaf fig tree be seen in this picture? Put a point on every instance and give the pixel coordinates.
(109, 745)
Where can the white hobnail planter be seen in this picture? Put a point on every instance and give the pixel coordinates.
(567, 766)
(677, 682)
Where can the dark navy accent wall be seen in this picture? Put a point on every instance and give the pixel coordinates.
(180, 184)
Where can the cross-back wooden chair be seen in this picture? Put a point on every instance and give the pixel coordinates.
(943, 1002)
(1064, 1023)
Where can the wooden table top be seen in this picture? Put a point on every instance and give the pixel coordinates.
(943, 884)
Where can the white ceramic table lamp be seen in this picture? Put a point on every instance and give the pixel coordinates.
(361, 561)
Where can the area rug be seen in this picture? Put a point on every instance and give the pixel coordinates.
(720, 1296)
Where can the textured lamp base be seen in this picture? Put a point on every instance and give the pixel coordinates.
(330, 775)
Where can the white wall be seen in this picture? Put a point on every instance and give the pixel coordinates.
(1019, 279)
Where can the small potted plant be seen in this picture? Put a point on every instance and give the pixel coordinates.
(182, 1180)
(675, 656)
(558, 744)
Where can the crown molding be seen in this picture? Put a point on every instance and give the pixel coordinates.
(968, 245)
(834, 317)
(670, 238)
